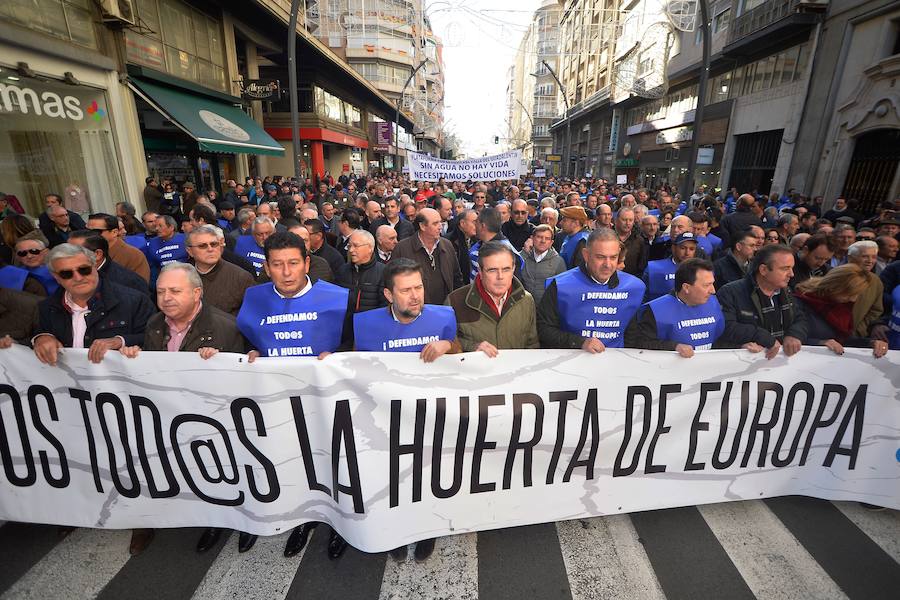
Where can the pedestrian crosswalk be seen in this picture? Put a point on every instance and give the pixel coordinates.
(765, 549)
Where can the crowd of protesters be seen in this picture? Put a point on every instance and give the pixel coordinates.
(387, 264)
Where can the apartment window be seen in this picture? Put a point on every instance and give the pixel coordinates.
(178, 40)
(748, 5)
(721, 20)
(71, 20)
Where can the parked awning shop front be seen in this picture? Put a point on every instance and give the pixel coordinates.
(217, 126)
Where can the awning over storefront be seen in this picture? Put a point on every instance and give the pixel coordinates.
(217, 126)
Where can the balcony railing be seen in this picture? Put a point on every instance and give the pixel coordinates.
(764, 15)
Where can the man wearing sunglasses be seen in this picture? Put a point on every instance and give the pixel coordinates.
(519, 228)
(224, 283)
(30, 252)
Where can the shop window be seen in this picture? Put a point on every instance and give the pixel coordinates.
(70, 20)
(56, 137)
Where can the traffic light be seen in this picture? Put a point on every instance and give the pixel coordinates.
(496, 139)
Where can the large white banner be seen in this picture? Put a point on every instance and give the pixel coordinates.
(390, 450)
(487, 168)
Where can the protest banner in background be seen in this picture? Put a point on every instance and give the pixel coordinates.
(487, 168)
(389, 450)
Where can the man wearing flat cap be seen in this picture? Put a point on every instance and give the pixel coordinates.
(573, 221)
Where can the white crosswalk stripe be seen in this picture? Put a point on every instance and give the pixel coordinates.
(451, 572)
(78, 567)
(604, 559)
(263, 572)
(770, 559)
(882, 526)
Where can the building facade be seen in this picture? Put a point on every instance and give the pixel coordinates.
(392, 45)
(800, 96)
(96, 96)
(532, 93)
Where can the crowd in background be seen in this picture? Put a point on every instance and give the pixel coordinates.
(444, 267)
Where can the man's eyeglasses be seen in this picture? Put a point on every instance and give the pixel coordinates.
(31, 251)
(83, 270)
(100, 230)
(207, 245)
(520, 212)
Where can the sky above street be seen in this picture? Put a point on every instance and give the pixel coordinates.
(480, 41)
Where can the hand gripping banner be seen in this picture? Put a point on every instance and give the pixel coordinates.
(487, 168)
(390, 450)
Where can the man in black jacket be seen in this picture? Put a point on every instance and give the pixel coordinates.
(363, 276)
(108, 269)
(740, 220)
(733, 266)
(813, 258)
(518, 229)
(318, 246)
(462, 237)
(87, 312)
(760, 309)
(392, 217)
(48, 225)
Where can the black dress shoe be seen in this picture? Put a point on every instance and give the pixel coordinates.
(336, 545)
(399, 553)
(246, 541)
(140, 539)
(423, 550)
(208, 539)
(297, 539)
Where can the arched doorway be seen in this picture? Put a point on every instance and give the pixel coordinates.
(873, 168)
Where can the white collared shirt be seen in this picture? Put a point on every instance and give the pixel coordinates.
(499, 304)
(385, 256)
(539, 257)
(431, 250)
(305, 289)
(79, 325)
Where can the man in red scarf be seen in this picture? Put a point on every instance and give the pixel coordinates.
(494, 312)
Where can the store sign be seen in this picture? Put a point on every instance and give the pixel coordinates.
(554, 158)
(26, 100)
(674, 135)
(262, 89)
(627, 162)
(382, 136)
(614, 131)
(705, 156)
(31, 104)
(223, 126)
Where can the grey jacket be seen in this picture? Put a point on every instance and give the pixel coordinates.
(535, 274)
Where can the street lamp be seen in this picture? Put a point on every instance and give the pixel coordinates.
(400, 102)
(292, 84)
(701, 101)
(568, 121)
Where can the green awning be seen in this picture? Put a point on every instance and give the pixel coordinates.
(217, 126)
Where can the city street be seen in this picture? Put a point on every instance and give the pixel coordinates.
(789, 547)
